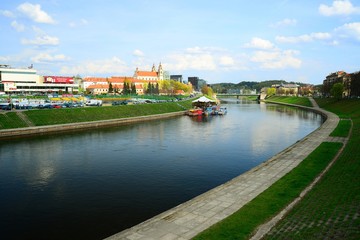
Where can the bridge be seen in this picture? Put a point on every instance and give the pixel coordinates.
(261, 96)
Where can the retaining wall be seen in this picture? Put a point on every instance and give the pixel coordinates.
(18, 132)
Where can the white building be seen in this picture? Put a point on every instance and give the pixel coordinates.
(26, 80)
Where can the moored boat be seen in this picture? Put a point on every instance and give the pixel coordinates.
(194, 112)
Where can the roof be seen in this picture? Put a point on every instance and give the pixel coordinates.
(146, 74)
(94, 86)
(120, 79)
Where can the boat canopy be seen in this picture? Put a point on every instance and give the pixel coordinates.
(203, 102)
(203, 99)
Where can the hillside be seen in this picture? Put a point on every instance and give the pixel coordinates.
(225, 87)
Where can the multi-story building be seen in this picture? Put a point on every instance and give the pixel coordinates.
(177, 78)
(194, 82)
(336, 77)
(26, 80)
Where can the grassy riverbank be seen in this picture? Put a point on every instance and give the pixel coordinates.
(43, 117)
(303, 101)
(330, 211)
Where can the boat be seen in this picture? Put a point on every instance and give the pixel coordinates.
(217, 110)
(194, 112)
(222, 111)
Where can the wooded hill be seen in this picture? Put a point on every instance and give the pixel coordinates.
(225, 87)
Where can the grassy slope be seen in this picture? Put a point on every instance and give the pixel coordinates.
(304, 101)
(71, 115)
(331, 210)
(339, 187)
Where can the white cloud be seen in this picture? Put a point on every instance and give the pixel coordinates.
(7, 13)
(106, 66)
(45, 57)
(4, 59)
(277, 59)
(191, 62)
(304, 38)
(34, 12)
(82, 22)
(285, 22)
(339, 7)
(138, 53)
(259, 43)
(18, 26)
(349, 30)
(203, 59)
(227, 61)
(41, 39)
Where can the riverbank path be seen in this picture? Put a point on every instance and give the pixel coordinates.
(192, 217)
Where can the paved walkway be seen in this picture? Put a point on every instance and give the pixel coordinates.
(190, 218)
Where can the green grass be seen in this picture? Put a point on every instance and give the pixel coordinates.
(303, 101)
(43, 117)
(10, 120)
(331, 210)
(241, 224)
(342, 129)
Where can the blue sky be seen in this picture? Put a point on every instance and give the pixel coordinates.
(218, 41)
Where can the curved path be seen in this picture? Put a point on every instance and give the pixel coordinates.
(192, 217)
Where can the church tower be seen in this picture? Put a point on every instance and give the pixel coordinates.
(160, 72)
(153, 68)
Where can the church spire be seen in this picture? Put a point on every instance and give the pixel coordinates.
(160, 72)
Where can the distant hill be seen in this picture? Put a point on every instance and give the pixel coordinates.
(226, 87)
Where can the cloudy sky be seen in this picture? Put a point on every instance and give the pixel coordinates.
(218, 41)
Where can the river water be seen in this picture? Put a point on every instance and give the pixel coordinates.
(94, 183)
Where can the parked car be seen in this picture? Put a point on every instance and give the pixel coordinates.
(6, 106)
(56, 106)
(119, 103)
(94, 102)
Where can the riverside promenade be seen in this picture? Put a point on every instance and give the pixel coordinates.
(186, 220)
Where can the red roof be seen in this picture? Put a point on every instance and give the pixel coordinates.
(94, 86)
(146, 74)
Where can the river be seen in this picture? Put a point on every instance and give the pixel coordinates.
(94, 183)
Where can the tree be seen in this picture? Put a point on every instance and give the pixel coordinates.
(111, 89)
(270, 91)
(337, 90)
(157, 89)
(133, 89)
(355, 84)
(207, 90)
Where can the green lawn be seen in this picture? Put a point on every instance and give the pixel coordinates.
(10, 120)
(43, 117)
(331, 210)
(303, 101)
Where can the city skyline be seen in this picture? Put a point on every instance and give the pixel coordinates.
(229, 41)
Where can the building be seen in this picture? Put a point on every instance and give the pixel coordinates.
(286, 89)
(338, 77)
(96, 85)
(194, 82)
(152, 75)
(177, 78)
(26, 80)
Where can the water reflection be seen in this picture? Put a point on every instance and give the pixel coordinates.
(92, 184)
